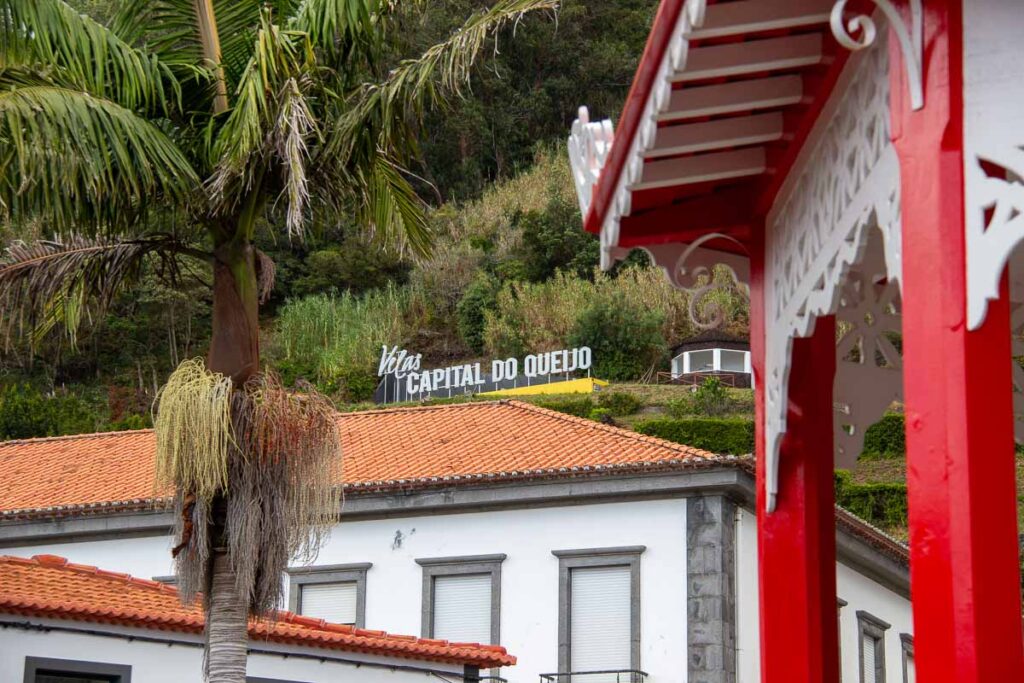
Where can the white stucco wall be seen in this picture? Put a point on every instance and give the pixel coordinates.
(529, 591)
(162, 663)
(860, 593)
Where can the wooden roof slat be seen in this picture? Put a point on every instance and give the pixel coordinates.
(720, 134)
(728, 98)
(701, 168)
(754, 16)
(755, 56)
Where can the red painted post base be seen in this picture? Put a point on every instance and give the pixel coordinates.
(797, 551)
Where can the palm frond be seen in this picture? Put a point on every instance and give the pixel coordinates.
(392, 210)
(270, 126)
(46, 283)
(381, 113)
(82, 161)
(169, 28)
(336, 26)
(84, 53)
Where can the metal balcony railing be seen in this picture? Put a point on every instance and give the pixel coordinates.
(604, 676)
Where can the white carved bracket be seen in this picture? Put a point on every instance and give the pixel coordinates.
(993, 148)
(860, 31)
(690, 267)
(869, 367)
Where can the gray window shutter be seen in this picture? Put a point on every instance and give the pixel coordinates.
(600, 620)
(334, 602)
(462, 608)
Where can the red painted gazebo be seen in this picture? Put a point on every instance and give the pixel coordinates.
(858, 165)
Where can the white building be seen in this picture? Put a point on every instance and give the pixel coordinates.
(712, 354)
(70, 623)
(578, 546)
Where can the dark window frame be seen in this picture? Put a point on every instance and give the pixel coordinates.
(122, 673)
(434, 567)
(298, 577)
(623, 556)
(872, 626)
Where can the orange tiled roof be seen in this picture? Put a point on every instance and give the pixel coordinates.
(382, 449)
(51, 587)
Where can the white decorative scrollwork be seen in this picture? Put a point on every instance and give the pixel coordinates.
(690, 267)
(589, 145)
(674, 59)
(869, 367)
(993, 147)
(860, 31)
(845, 183)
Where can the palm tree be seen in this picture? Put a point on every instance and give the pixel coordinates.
(170, 134)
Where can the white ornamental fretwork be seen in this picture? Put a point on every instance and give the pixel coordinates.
(869, 366)
(845, 184)
(692, 16)
(993, 147)
(589, 145)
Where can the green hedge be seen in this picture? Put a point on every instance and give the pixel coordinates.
(718, 435)
(884, 505)
(885, 438)
(618, 403)
(580, 407)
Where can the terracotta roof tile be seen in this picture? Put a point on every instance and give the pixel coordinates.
(390, 448)
(51, 587)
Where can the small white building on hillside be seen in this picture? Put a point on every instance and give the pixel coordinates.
(578, 546)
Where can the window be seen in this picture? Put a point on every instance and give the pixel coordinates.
(907, 641)
(46, 670)
(872, 648)
(702, 361)
(599, 613)
(335, 593)
(462, 598)
(733, 361)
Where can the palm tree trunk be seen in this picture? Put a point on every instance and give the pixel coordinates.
(226, 624)
(234, 351)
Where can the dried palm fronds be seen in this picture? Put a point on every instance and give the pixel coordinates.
(285, 487)
(193, 430)
(281, 492)
(46, 283)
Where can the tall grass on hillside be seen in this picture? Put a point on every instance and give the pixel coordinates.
(541, 316)
(335, 340)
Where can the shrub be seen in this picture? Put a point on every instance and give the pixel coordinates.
(25, 412)
(711, 398)
(618, 403)
(626, 340)
(886, 438)
(553, 241)
(471, 313)
(600, 415)
(718, 435)
(580, 407)
(884, 505)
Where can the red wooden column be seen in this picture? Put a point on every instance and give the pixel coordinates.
(957, 386)
(797, 542)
